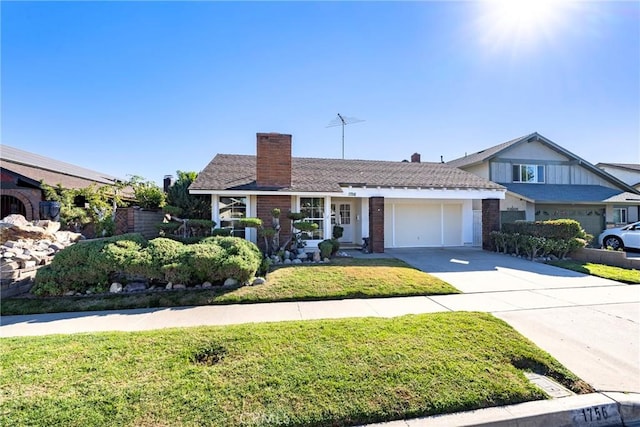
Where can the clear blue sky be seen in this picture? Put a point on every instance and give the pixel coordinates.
(148, 88)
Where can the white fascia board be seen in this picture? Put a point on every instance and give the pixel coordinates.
(425, 193)
(366, 192)
(520, 196)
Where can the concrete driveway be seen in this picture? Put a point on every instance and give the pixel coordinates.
(589, 324)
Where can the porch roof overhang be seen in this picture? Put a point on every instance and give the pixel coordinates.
(423, 193)
(571, 194)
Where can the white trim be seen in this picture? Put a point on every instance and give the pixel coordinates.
(364, 192)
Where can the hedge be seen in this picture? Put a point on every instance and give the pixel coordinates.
(553, 229)
(93, 265)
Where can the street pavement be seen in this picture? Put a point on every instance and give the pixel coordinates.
(591, 325)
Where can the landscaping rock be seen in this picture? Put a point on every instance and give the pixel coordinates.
(287, 261)
(258, 281)
(230, 282)
(326, 260)
(69, 293)
(287, 255)
(169, 286)
(115, 288)
(135, 287)
(303, 256)
(297, 261)
(179, 286)
(316, 256)
(207, 285)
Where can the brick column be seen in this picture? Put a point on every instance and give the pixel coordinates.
(490, 221)
(376, 224)
(264, 206)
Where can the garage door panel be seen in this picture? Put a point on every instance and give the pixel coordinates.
(452, 225)
(420, 224)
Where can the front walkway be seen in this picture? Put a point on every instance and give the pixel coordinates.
(591, 325)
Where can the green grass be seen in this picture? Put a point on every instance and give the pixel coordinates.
(313, 373)
(608, 272)
(343, 278)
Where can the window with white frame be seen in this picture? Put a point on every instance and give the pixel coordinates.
(313, 208)
(232, 210)
(620, 215)
(528, 173)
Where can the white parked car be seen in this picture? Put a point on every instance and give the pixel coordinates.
(621, 237)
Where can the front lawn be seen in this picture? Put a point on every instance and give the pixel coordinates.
(343, 278)
(606, 271)
(314, 373)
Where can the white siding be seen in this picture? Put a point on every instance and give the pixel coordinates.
(532, 151)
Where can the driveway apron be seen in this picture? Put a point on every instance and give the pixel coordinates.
(591, 325)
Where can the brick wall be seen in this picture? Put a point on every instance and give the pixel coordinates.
(273, 163)
(264, 206)
(30, 198)
(490, 221)
(376, 224)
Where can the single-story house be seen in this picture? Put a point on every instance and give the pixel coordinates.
(21, 173)
(393, 204)
(546, 181)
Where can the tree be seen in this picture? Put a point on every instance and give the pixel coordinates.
(147, 193)
(192, 206)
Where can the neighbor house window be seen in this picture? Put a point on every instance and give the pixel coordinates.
(528, 173)
(313, 207)
(232, 210)
(620, 215)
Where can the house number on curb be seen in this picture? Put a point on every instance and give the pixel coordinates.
(601, 415)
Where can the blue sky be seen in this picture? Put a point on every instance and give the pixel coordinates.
(148, 88)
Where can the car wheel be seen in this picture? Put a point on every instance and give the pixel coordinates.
(612, 242)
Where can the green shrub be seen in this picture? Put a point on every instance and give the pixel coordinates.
(337, 231)
(84, 265)
(161, 252)
(92, 265)
(553, 229)
(326, 248)
(221, 232)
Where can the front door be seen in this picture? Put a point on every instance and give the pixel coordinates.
(343, 217)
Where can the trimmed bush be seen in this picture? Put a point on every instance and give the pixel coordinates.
(85, 265)
(161, 252)
(553, 229)
(92, 265)
(328, 247)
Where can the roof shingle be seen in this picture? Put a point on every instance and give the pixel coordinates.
(238, 172)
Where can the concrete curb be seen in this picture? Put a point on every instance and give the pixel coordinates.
(587, 410)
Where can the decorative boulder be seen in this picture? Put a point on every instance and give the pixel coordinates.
(169, 286)
(207, 285)
(297, 261)
(258, 281)
(135, 287)
(179, 287)
(303, 256)
(287, 261)
(230, 282)
(316, 256)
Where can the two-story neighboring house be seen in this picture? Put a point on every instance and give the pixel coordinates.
(545, 181)
(629, 173)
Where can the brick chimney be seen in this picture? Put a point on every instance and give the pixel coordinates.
(415, 158)
(273, 165)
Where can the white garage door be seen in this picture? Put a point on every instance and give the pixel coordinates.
(422, 224)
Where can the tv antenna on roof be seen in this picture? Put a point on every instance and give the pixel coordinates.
(343, 121)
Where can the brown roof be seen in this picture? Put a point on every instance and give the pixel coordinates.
(51, 171)
(238, 172)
